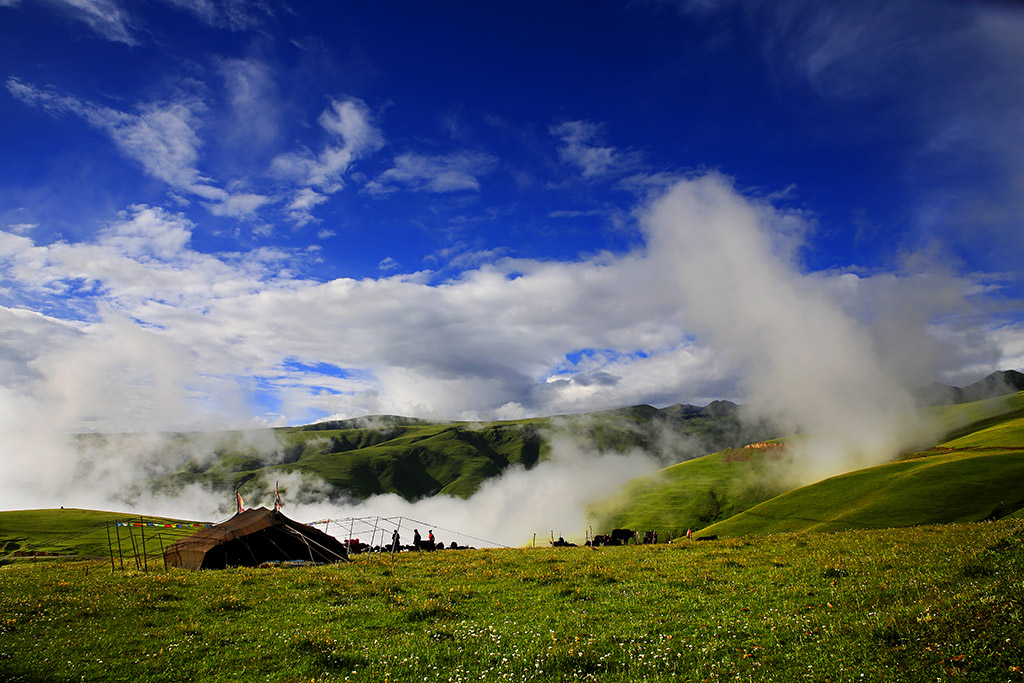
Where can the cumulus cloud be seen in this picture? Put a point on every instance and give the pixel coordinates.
(138, 261)
(716, 295)
(805, 360)
(715, 305)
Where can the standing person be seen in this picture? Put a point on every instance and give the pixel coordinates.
(416, 539)
(395, 539)
(430, 539)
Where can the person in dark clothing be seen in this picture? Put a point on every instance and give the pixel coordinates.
(416, 539)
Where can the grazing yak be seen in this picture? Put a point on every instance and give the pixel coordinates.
(616, 537)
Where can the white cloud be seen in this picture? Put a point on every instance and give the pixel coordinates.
(105, 17)
(713, 307)
(22, 228)
(141, 259)
(806, 360)
(580, 147)
(498, 338)
(160, 136)
(240, 205)
(254, 107)
(236, 15)
(300, 209)
(148, 233)
(455, 172)
(575, 213)
(349, 120)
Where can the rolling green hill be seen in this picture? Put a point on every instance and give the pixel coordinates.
(978, 474)
(695, 493)
(974, 472)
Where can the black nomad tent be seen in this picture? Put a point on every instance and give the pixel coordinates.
(251, 538)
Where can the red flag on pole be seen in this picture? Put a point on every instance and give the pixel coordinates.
(239, 503)
(277, 498)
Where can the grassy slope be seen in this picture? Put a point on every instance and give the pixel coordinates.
(691, 494)
(67, 533)
(922, 604)
(930, 486)
(978, 474)
(411, 460)
(444, 459)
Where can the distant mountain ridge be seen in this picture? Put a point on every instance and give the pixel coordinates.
(415, 458)
(998, 383)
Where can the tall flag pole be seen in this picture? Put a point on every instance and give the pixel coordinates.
(277, 498)
(238, 502)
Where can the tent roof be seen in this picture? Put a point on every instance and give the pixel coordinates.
(265, 535)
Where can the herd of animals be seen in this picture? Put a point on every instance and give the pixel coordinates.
(616, 537)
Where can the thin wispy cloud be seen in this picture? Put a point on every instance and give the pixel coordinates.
(159, 136)
(22, 228)
(580, 146)
(236, 15)
(252, 92)
(349, 121)
(454, 172)
(104, 17)
(955, 70)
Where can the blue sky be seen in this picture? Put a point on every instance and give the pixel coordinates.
(259, 212)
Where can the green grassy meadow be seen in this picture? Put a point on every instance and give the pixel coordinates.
(910, 571)
(72, 534)
(924, 603)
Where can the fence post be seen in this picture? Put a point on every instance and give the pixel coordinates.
(160, 540)
(135, 546)
(110, 548)
(142, 530)
(120, 553)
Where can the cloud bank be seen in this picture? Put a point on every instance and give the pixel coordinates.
(678, 319)
(714, 305)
